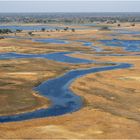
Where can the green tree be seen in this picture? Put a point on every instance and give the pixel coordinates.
(30, 33)
(73, 30)
(43, 29)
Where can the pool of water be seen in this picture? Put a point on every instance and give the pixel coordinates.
(128, 45)
(34, 27)
(97, 49)
(85, 43)
(122, 31)
(43, 40)
(58, 56)
(51, 40)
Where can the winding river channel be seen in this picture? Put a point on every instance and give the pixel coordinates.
(63, 100)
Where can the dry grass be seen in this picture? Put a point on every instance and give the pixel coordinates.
(112, 108)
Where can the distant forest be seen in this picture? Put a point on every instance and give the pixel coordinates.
(69, 18)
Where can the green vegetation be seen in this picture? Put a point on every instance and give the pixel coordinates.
(18, 30)
(119, 25)
(30, 33)
(43, 29)
(5, 31)
(104, 28)
(66, 28)
(73, 30)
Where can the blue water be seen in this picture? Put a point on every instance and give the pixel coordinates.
(57, 89)
(85, 43)
(62, 98)
(97, 49)
(90, 24)
(43, 40)
(89, 44)
(35, 27)
(128, 32)
(128, 45)
(58, 56)
(51, 40)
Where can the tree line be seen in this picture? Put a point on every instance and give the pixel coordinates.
(5, 31)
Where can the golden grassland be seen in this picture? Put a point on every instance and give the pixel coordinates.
(111, 108)
(17, 80)
(18, 77)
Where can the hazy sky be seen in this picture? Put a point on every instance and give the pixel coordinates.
(69, 6)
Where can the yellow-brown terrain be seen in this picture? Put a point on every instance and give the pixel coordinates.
(111, 99)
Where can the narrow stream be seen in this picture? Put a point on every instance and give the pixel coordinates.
(63, 100)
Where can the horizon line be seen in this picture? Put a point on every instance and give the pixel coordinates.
(68, 12)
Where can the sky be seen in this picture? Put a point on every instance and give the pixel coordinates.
(10, 6)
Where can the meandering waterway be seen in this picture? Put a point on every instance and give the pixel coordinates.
(63, 100)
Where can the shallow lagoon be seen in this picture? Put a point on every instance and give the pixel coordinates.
(128, 45)
(128, 32)
(51, 40)
(35, 27)
(58, 56)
